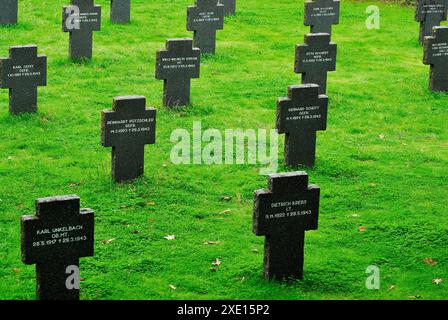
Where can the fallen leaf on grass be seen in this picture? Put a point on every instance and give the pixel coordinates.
(415, 297)
(213, 269)
(212, 242)
(151, 203)
(362, 228)
(217, 262)
(226, 198)
(430, 261)
(170, 237)
(172, 286)
(381, 136)
(254, 250)
(108, 241)
(225, 211)
(437, 281)
(392, 287)
(16, 270)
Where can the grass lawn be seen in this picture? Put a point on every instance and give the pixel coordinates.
(381, 164)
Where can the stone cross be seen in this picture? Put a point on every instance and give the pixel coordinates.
(282, 213)
(22, 73)
(176, 66)
(8, 12)
(299, 116)
(321, 15)
(204, 19)
(120, 11)
(315, 58)
(127, 129)
(54, 239)
(229, 7)
(430, 13)
(436, 55)
(80, 20)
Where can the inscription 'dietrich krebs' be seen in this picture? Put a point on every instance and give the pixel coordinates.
(23, 71)
(206, 17)
(59, 235)
(130, 126)
(440, 49)
(323, 12)
(317, 56)
(288, 209)
(303, 113)
(179, 63)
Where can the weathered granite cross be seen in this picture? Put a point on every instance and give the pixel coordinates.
(176, 66)
(315, 58)
(8, 12)
(436, 55)
(430, 13)
(282, 213)
(22, 73)
(120, 11)
(229, 7)
(127, 129)
(299, 116)
(204, 19)
(54, 239)
(81, 18)
(321, 15)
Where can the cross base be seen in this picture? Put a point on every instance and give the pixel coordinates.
(176, 92)
(81, 44)
(51, 280)
(438, 79)
(284, 256)
(300, 149)
(203, 41)
(425, 30)
(127, 162)
(319, 78)
(23, 100)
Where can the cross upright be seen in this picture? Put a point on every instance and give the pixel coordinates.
(127, 129)
(430, 13)
(229, 7)
(436, 55)
(80, 19)
(321, 15)
(176, 65)
(8, 12)
(204, 19)
(54, 239)
(282, 213)
(315, 58)
(22, 73)
(120, 11)
(299, 116)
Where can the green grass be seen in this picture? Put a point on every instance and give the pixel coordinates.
(396, 186)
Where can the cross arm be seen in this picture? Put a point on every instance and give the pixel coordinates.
(427, 51)
(282, 108)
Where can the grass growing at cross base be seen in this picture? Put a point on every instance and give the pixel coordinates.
(381, 164)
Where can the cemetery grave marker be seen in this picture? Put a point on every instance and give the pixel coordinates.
(127, 129)
(229, 7)
(321, 15)
(282, 213)
(299, 117)
(8, 12)
(204, 19)
(80, 20)
(54, 239)
(315, 58)
(176, 66)
(436, 55)
(22, 73)
(430, 13)
(120, 11)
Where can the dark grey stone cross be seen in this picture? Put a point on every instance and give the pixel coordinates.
(321, 15)
(204, 19)
(436, 55)
(229, 7)
(299, 116)
(430, 13)
(176, 66)
(127, 129)
(282, 213)
(8, 12)
(54, 239)
(315, 58)
(22, 73)
(120, 11)
(80, 20)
